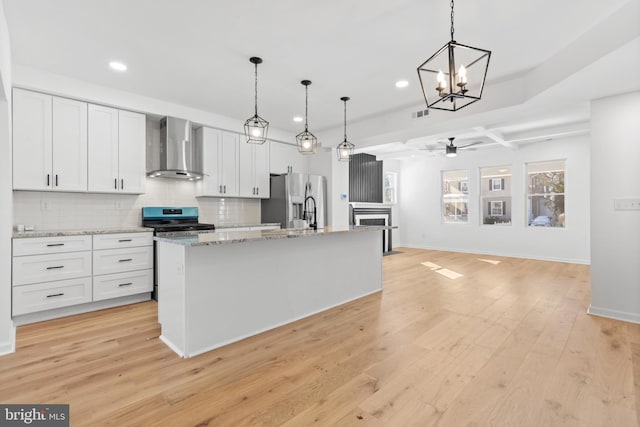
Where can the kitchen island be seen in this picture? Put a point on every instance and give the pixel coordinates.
(218, 288)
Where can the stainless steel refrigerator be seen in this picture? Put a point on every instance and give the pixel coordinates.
(298, 200)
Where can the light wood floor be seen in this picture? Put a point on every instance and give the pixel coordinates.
(504, 345)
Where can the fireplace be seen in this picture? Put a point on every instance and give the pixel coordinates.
(374, 216)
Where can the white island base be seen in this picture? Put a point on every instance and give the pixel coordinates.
(218, 292)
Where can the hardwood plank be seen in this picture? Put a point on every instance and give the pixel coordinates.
(506, 344)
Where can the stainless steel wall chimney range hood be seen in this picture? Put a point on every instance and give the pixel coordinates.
(177, 156)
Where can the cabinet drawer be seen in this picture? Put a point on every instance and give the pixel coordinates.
(45, 296)
(46, 268)
(122, 284)
(120, 260)
(50, 245)
(122, 240)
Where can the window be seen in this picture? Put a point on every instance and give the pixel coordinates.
(497, 184)
(389, 188)
(497, 207)
(545, 194)
(495, 195)
(455, 198)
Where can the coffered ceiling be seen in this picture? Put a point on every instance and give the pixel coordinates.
(548, 57)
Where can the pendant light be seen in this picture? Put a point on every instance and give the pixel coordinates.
(454, 76)
(345, 148)
(307, 142)
(256, 128)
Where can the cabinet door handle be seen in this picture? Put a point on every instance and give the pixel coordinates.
(48, 180)
(257, 190)
(220, 189)
(115, 183)
(125, 260)
(56, 180)
(55, 244)
(55, 267)
(55, 295)
(125, 284)
(225, 188)
(124, 240)
(122, 184)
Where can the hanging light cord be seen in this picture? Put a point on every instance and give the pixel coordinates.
(306, 107)
(451, 20)
(256, 89)
(345, 121)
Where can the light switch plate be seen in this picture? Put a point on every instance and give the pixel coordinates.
(626, 204)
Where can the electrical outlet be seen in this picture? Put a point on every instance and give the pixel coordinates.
(45, 205)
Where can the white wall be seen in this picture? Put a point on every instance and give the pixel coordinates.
(7, 330)
(339, 193)
(420, 205)
(615, 235)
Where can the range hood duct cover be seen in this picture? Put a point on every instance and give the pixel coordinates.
(178, 156)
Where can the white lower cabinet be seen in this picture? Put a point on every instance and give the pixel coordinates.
(51, 245)
(50, 295)
(122, 265)
(55, 272)
(47, 268)
(120, 260)
(122, 284)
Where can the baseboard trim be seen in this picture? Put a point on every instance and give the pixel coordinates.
(40, 316)
(614, 314)
(172, 346)
(9, 347)
(523, 256)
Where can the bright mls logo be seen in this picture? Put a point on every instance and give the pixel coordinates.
(34, 415)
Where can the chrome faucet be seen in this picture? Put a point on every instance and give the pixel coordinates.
(314, 224)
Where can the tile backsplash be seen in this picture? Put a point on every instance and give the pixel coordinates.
(53, 211)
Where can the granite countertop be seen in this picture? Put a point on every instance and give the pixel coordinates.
(79, 232)
(223, 226)
(221, 237)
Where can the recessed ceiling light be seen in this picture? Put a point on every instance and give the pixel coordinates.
(503, 170)
(297, 119)
(118, 66)
(402, 84)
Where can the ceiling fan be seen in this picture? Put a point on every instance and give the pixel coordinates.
(452, 150)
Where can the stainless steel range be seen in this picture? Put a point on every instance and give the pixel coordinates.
(171, 221)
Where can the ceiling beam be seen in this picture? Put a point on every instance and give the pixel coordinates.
(495, 136)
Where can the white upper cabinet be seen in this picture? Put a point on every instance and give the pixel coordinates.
(132, 134)
(220, 162)
(116, 150)
(103, 149)
(69, 145)
(254, 170)
(49, 142)
(261, 164)
(228, 154)
(285, 156)
(32, 140)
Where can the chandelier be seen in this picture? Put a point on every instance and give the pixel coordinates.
(454, 76)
